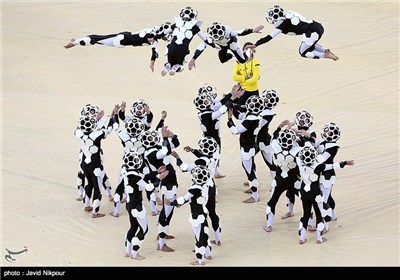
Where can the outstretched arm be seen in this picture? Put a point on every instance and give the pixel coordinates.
(269, 37)
(248, 31)
(180, 200)
(337, 165)
(200, 49)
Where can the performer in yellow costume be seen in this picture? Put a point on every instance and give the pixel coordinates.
(247, 75)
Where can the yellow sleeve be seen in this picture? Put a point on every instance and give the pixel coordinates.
(237, 77)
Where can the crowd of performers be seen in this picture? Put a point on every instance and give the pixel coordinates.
(300, 163)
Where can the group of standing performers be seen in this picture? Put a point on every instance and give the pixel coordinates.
(299, 163)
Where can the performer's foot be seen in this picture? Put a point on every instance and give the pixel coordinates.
(123, 200)
(216, 243)
(208, 257)
(197, 263)
(175, 69)
(70, 45)
(165, 248)
(80, 198)
(330, 55)
(114, 215)
(138, 257)
(110, 198)
(323, 239)
(325, 230)
(154, 213)
(166, 236)
(311, 228)
(97, 215)
(268, 228)
(251, 200)
(166, 69)
(219, 175)
(246, 183)
(301, 242)
(88, 209)
(287, 215)
(247, 191)
(159, 201)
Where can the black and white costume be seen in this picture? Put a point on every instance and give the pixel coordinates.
(292, 23)
(183, 31)
(310, 192)
(328, 149)
(209, 114)
(226, 39)
(131, 143)
(248, 130)
(138, 110)
(89, 140)
(304, 121)
(263, 138)
(91, 110)
(134, 172)
(207, 155)
(197, 194)
(286, 176)
(157, 156)
(135, 39)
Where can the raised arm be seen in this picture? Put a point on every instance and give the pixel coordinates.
(236, 93)
(162, 120)
(121, 113)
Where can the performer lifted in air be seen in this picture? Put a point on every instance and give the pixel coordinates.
(292, 23)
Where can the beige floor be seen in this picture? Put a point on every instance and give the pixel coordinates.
(45, 86)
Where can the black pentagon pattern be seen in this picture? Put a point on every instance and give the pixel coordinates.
(200, 175)
(202, 101)
(165, 31)
(138, 107)
(87, 123)
(188, 14)
(308, 155)
(274, 13)
(331, 132)
(304, 119)
(150, 138)
(208, 89)
(134, 127)
(271, 98)
(90, 110)
(216, 31)
(208, 146)
(132, 160)
(286, 138)
(255, 104)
